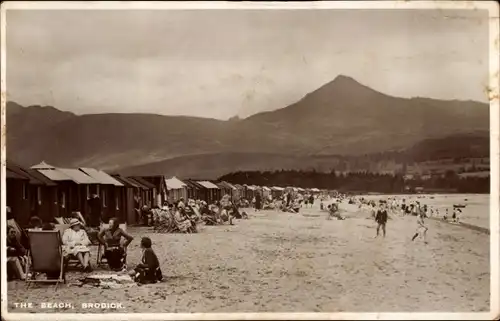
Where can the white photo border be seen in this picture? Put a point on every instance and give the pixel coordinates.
(493, 9)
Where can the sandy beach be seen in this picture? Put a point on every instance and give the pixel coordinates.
(282, 262)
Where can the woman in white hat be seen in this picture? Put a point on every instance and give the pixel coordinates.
(76, 242)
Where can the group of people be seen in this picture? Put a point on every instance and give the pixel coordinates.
(379, 212)
(76, 245)
(182, 217)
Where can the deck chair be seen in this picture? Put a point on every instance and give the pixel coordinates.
(100, 249)
(45, 257)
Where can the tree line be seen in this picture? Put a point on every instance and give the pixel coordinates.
(361, 181)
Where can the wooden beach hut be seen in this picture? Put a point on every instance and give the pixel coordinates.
(176, 189)
(250, 191)
(110, 192)
(240, 190)
(194, 190)
(227, 189)
(147, 191)
(212, 191)
(74, 188)
(129, 192)
(160, 192)
(277, 191)
(18, 195)
(266, 192)
(41, 193)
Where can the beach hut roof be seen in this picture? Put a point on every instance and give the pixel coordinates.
(100, 176)
(251, 187)
(226, 185)
(174, 183)
(64, 174)
(208, 185)
(14, 171)
(125, 181)
(277, 188)
(42, 165)
(14, 175)
(78, 176)
(142, 182)
(266, 188)
(189, 183)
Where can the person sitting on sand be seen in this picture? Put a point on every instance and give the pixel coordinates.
(16, 256)
(333, 211)
(114, 250)
(76, 242)
(148, 271)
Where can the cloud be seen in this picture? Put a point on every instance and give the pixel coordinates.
(219, 63)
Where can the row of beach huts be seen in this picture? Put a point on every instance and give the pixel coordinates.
(47, 191)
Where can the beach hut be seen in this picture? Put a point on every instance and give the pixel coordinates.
(277, 191)
(74, 188)
(41, 193)
(147, 190)
(18, 195)
(194, 190)
(227, 189)
(250, 191)
(160, 191)
(315, 191)
(111, 192)
(176, 189)
(130, 191)
(212, 191)
(266, 192)
(240, 191)
(236, 192)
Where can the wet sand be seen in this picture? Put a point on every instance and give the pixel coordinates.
(281, 262)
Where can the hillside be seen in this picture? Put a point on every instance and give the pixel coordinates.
(343, 117)
(211, 166)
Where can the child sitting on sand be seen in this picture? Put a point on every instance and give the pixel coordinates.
(148, 271)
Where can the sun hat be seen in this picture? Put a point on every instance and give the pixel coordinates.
(74, 222)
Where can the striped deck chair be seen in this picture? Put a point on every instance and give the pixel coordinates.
(100, 248)
(45, 257)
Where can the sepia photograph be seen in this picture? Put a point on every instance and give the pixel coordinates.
(220, 160)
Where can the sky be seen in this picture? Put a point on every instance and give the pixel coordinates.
(222, 63)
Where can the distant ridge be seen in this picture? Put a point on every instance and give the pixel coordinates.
(343, 117)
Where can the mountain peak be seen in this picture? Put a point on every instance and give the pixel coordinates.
(344, 79)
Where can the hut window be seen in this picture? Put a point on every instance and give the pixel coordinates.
(39, 195)
(104, 198)
(63, 200)
(117, 203)
(88, 191)
(25, 191)
(97, 189)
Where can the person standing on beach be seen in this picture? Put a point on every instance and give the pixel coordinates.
(421, 228)
(381, 219)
